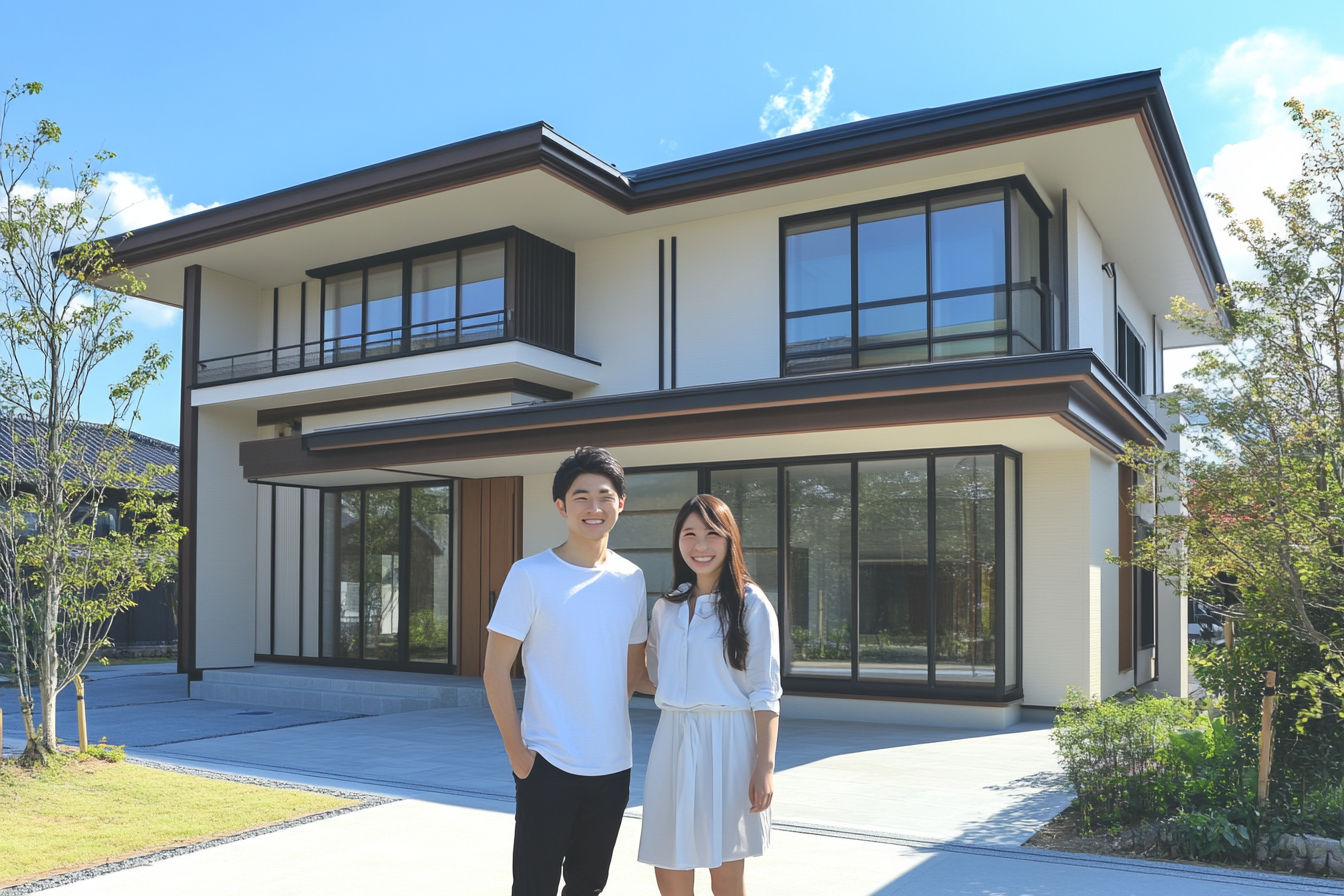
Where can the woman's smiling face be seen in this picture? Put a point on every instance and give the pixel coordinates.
(703, 549)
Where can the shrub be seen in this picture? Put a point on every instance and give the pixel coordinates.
(1145, 758)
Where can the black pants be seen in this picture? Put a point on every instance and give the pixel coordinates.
(565, 821)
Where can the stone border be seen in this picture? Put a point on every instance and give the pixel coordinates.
(364, 801)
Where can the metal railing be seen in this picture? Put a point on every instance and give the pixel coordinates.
(389, 342)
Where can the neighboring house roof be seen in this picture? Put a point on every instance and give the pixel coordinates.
(91, 437)
(817, 153)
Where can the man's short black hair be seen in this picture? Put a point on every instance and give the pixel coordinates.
(587, 460)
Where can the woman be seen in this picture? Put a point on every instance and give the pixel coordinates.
(713, 665)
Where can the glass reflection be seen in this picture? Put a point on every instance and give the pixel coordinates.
(752, 496)
(382, 573)
(818, 568)
(643, 535)
(482, 292)
(430, 599)
(433, 301)
(343, 316)
(964, 586)
(894, 570)
(967, 241)
(817, 262)
(384, 315)
(892, 260)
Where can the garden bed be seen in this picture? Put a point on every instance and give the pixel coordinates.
(1294, 854)
(87, 812)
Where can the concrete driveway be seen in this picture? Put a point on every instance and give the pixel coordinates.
(859, 809)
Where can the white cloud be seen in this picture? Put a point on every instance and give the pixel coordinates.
(774, 73)
(795, 113)
(1257, 74)
(136, 201)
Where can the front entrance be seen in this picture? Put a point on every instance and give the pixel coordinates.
(491, 527)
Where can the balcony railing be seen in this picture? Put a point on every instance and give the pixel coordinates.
(337, 350)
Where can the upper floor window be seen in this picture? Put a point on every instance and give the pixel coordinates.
(932, 278)
(431, 301)
(1129, 353)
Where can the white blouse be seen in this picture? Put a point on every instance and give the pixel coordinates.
(686, 661)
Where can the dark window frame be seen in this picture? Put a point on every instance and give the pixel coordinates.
(505, 236)
(1019, 183)
(404, 575)
(855, 686)
(1133, 375)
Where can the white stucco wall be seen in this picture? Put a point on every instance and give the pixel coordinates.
(233, 312)
(226, 544)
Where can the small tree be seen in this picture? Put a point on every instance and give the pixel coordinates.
(1263, 489)
(62, 580)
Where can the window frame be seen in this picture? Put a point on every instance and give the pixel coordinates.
(406, 258)
(999, 692)
(1123, 327)
(403, 663)
(1019, 183)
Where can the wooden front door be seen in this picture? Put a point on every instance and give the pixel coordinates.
(492, 539)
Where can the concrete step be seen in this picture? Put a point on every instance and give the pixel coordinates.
(369, 693)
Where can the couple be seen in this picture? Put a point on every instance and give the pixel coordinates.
(578, 613)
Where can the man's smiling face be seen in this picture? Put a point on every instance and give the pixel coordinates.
(591, 506)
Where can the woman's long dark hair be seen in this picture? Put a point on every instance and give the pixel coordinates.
(733, 576)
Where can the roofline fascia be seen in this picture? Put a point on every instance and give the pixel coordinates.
(826, 152)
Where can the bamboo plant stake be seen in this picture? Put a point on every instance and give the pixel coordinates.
(79, 713)
(1266, 739)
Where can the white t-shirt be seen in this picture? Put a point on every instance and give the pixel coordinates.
(576, 624)
(686, 658)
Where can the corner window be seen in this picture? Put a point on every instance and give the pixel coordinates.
(933, 278)
(890, 575)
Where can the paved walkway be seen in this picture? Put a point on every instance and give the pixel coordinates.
(860, 809)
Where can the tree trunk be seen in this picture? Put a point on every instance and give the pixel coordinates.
(34, 752)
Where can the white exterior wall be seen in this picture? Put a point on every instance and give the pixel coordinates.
(296, 547)
(232, 314)
(226, 545)
(543, 527)
(1089, 289)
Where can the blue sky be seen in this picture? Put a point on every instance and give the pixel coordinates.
(212, 103)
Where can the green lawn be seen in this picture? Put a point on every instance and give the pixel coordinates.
(88, 812)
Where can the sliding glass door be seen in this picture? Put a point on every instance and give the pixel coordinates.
(387, 575)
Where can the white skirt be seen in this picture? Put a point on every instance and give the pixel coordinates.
(697, 804)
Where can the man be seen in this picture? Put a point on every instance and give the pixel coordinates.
(578, 614)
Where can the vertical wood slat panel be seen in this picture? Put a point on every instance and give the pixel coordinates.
(470, 582)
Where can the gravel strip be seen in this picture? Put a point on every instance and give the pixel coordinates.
(364, 801)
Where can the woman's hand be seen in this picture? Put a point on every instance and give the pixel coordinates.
(762, 787)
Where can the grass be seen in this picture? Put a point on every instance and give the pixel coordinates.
(88, 811)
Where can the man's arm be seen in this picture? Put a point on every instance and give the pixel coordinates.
(637, 672)
(500, 652)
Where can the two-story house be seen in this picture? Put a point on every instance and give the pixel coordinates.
(905, 350)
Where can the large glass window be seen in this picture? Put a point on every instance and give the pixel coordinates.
(819, 571)
(644, 533)
(386, 574)
(894, 574)
(894, 569)
(415, 304)
(945, 277)
(966, 571)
